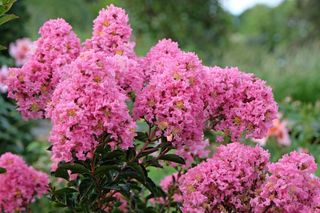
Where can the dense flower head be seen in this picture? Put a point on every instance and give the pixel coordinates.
(3, 79)
(172, 102)
(21, 50)
(111, 33)
(85, 105)
(20, 184)
(291, 187)
(155, 60)
(33, 84)
(226, 182)
(239, 103)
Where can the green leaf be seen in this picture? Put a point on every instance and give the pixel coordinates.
(105, 168)
(85, 187)
(173, 158)
(2, 47)
(7, 17)
(65, 191)
(154, 162)
(64, 195)
(115, 154)
(142, 136)
(75, 168)
(131, 153)
(2, 170)
(154, 189)
(5, 5)
(139, 170)
(61, 173)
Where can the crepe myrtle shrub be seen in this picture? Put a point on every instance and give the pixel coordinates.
(115, 115)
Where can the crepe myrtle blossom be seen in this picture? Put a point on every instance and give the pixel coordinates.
(172, 102)
(85, 105)
(290, 187)
(238, 103)
(3, 78)
(111, 33)
(32, 85)
(157, 57)
(225, 182)
(20, 184)
(21, 50)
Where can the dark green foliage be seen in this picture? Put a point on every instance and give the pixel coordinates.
(16, 28)
(2, 170)
(194, 25)
(114, 171)
(15, 133)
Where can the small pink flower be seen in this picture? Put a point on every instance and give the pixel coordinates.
(22, 50)
(3, 78)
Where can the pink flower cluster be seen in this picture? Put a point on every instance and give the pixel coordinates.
(172, 101)
(21, 50)
(240, 178)
(291, 187)
(156, 59)
(239, 103)
(20, 184)
(111, 33)
(32, 85)
(226, 182)
(86, 104)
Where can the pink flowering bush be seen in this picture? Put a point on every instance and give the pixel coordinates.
(114, 115)
(20, 184)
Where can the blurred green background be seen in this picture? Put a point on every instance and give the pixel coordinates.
(279, 44)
